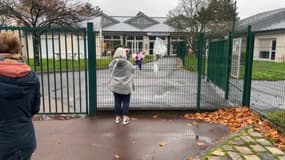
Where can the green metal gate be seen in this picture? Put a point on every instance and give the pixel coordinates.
(59, 57)
(230, 66)
(218, 65)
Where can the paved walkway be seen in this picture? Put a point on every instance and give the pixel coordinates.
(246, 145)
(148, 137)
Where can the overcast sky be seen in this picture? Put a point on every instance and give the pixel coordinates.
(160, 8)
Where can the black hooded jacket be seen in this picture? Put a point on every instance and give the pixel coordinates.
(19, 101)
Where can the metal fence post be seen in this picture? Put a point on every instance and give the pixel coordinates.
(230, 48)
(92, 70)
(248, 68)
(200, 59)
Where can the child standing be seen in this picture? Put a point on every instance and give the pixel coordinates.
(139, 56)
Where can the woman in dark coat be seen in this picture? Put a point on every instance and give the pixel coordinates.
(19, 101)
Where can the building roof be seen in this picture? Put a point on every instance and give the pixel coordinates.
(266, 21)
(138, 23)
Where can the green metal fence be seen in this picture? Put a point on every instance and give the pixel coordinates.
(230, 66)
(59, 57)
(218, 57)
(72, 65)
(268, 76)
(172, 86)
(212, 73)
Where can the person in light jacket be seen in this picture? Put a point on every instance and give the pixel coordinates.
(122, 84)
(19, 101)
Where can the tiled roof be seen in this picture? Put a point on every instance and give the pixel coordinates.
(270, 20)
(123, 25)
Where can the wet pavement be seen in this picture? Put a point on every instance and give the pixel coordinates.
(145, 138)
(268, 95)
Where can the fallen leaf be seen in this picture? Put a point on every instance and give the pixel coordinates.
(199, 143)
(117, 156)
(162, 144)
(155, 116)
(134, 119)
(202, 145)
(189, 124)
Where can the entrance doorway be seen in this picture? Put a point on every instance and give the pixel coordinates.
(134, 43)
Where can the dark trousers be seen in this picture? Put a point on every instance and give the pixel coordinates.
(22, 154)
(119, 99)
(139, 63)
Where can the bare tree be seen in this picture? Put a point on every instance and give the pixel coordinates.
(4, 21)
(186, 18)
(222, 15)
(192, 17)
(46, 13)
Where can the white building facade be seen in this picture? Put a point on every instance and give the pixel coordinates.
(269, 28)
(138, 33)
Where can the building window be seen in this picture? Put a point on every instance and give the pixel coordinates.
(139, 37)
(174, 44)
(264, 54)
(267, 49)
(134, 43)
(152, 38)
(111, 42)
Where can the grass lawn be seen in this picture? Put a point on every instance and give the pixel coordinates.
(190, 63)
(270, 71)
(278, 118)
(72, 65)
(261, 70)
(64, 65)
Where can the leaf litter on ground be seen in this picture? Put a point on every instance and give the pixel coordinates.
(237, 118)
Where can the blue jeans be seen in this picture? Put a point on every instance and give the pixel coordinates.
(119, 99)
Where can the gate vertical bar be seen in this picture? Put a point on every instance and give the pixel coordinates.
(92, 70)
(200, 59)
(248, 68)
(230, 48)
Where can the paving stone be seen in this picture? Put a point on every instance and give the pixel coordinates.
(228, 147)
(258, 148)
(219, 152)
(244, 133)
(234, 156)
(237, 141)
(247, 139)
(266, 156)
(282, 158)
(275, 150)
(264, 142)
(215, 158)
(251, 157)
(243, 150)
(255, 134)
